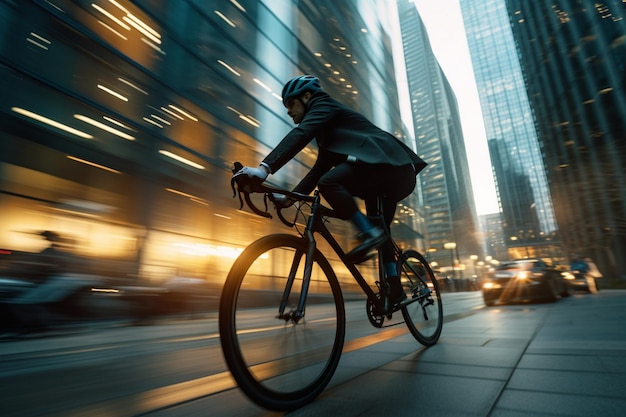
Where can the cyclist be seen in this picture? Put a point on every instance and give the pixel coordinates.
(355, 158)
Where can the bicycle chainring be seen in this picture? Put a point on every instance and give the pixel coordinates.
(375, 318)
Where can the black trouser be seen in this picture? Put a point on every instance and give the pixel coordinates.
(339, 186)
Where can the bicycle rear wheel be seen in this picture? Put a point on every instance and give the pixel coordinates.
(279, 363)
(423, 311)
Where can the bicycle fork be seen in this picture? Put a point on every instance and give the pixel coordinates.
(296, 315)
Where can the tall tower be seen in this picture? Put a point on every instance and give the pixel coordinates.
(524, 197)
(449, 209)
(573, 56)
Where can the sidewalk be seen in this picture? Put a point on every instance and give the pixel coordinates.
(561, 359)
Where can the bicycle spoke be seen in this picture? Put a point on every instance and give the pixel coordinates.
(423, 312)
(277, 363)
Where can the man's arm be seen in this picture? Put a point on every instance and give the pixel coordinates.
(317, 117)
(322, 165)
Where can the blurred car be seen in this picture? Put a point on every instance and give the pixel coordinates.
(12, 287)
(26, 306)
(578, 281)
(523, 280)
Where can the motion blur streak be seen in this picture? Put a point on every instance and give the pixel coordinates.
(171, 395)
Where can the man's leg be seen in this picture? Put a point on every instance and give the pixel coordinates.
(339, 186)
(400, 183)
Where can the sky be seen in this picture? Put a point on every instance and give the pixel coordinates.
(446, 32)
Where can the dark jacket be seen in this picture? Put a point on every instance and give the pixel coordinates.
(340, 132)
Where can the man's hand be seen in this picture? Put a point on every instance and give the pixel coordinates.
(259, 173)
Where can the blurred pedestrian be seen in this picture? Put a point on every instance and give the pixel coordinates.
(578, 264)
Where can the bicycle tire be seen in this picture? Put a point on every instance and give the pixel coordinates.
(423, 310)
(280, 365)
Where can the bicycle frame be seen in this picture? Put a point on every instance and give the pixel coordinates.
(315, 224)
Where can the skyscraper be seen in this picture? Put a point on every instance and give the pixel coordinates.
(491, 225)
(573, 56)
(449, 209)
(524, 197)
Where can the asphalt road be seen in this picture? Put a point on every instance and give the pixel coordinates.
(560, 359)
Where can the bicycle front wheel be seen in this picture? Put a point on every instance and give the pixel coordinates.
(281, 361)
(423, 311)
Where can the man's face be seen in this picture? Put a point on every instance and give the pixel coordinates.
(296, 107)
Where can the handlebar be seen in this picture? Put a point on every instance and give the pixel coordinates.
(243, 186)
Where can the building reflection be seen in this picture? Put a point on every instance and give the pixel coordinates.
(121, 120)
(575, 52)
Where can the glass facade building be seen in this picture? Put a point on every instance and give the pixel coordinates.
(525, 201)
(120, 120)
(573, 56)
(491, 225)
(449, 209)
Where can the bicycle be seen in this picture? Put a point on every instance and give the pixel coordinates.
(282, 314)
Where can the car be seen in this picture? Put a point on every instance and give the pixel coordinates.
(523, 280)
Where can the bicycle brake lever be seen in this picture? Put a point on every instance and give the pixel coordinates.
(236, 168)
(245, 189)
(254, 208)
(236, 191)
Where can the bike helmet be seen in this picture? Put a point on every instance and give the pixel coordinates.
(299, 85)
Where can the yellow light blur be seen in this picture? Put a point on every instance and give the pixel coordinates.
(190, 196)
(160, 119)
(142, 27)
(106, 290)
(117, 122)
(104, 127)
(113, 93)
(153, 46)
(228, 67)
(152, 122)
(110, 16)
(93, 164)
(128, 83)
(37, 43)
(180, 159)
(201, 249)
(113, 30)
(224, 18)
(262, 84)
(41, 38)
(183, 112)
(237, 5)
(250, 120)
(171, 113)
(51, 122)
